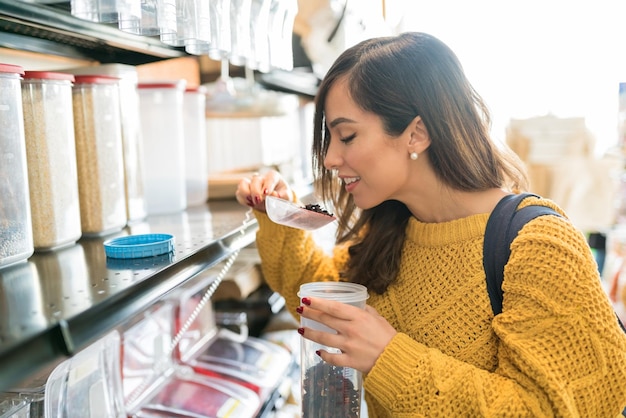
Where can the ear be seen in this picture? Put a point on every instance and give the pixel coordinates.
(419, 140)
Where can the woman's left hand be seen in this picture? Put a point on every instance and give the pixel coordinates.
(362, 334)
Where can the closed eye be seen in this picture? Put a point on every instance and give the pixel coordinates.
(347, 139)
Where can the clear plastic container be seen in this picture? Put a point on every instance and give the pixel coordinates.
(131, 134)
(196, 169)
(99, 154)
(104, 11)
(13, 406)
(88, 384)
(16, 238)
(156, 386)
(51, 152)
(329, 390)
(162, 121)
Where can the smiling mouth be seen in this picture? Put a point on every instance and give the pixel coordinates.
(349, 180)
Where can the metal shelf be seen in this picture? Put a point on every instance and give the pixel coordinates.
(56, 303)
(51, 29)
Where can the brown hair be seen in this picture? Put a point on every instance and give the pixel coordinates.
(399, 78)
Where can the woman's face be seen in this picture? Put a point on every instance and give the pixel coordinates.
(373, 166)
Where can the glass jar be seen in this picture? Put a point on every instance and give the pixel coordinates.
(16, 238)
(51, 155)
(99, 154)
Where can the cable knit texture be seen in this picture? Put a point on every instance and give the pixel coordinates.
(556, 349)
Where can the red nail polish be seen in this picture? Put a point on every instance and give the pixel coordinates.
(306, 301)
(301, 331)
(299, 309)
(264, 191)
(318, 352)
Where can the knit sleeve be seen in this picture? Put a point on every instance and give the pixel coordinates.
(561, 351)
(291, 257)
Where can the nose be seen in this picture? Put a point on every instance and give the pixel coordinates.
(332, 159)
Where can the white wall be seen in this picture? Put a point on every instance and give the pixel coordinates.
(533, 57)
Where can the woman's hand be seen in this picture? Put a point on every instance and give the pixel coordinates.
(251, 191)
(362, 334)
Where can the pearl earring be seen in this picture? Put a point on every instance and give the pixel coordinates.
(414, 155)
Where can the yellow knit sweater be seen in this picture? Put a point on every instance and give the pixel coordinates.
(556, 350)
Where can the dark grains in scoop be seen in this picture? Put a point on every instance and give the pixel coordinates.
(314, 207)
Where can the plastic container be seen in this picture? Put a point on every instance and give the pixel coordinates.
(235, 356)
(161, 109)
(13, 406)
(51, 153)
(196, 168)
(88, 384)
(99, 154)
(131, 134)
(156, 386)
(16, 239)
(329, 390)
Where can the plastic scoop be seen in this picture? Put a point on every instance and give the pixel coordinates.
(286, 213)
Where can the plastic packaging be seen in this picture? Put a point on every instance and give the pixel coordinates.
(156, 386)
(161, 109)
(51, 152)
(88, 384)
(196, 169)
(13, 406)
(327, 390)
(99, 154)
(16, 240)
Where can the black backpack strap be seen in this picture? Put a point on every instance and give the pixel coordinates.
(502, 227)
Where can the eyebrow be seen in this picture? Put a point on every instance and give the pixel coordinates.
(337, 121)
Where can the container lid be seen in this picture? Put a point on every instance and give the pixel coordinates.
(177, 84)
(49, 75)
(95, 79)
(10, 68)
(114, 70)
(138, 246)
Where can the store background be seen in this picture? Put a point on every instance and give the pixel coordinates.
(557, 60)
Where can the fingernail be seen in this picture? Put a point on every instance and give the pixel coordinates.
(299, 309)
(257, 199)
(318, 352)
(301, 331)
(306, 301)
(265, 191)
(249, 199)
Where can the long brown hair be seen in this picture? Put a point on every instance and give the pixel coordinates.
(399, 78)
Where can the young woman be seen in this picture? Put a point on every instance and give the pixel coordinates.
(402, 153)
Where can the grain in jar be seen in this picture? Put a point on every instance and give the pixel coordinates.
(161, 109)
(16, 239)
(51, 156)
(99, 155)
(131, 133)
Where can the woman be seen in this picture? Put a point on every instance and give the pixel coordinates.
(402, 151)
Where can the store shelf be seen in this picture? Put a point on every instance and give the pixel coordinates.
(51, 29)
(58, 302)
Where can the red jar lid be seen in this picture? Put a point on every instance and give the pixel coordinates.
(95, 79)
(196, 89)
(10, 68)
(162, 85)
(48, 75)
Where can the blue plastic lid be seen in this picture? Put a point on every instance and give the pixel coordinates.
(139, 246)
